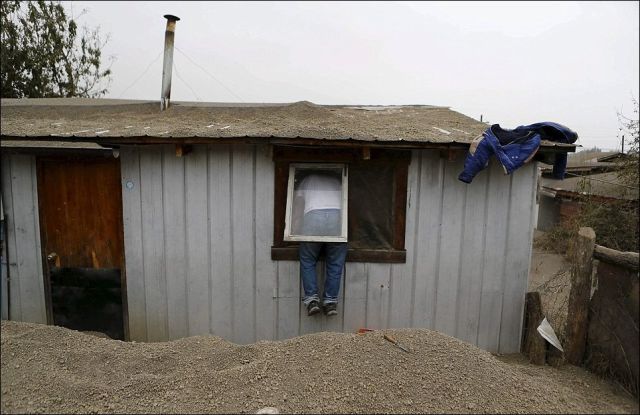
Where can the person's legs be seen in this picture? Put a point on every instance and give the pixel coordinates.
(336, 253)
(309, 252)
(320, 223)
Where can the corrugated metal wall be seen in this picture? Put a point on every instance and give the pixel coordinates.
(20, 204)
(198, 232)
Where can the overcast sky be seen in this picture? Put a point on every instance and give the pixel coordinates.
(515, 63)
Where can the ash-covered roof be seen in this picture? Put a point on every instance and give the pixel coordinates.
(103, 120)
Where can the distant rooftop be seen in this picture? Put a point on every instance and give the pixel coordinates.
(603, 184)
(589, 162)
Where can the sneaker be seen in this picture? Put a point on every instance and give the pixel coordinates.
(313, 308)
(330, 309)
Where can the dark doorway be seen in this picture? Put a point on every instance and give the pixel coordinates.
(80, 205)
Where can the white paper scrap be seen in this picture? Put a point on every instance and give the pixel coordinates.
(549, 335)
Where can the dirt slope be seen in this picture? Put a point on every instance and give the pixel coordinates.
(52, 369)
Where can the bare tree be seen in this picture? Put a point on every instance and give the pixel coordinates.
(44, 56)
(630, 130)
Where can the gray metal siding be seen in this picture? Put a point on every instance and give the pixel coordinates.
(198, 232)
(20, 204)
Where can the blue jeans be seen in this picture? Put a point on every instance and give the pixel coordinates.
(322, 222)
(335, 255)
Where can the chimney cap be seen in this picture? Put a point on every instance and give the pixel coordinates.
(171, 17)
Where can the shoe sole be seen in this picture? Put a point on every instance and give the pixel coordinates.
(332, 313)
(313, 311)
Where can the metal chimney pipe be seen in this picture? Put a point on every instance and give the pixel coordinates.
(167, 65)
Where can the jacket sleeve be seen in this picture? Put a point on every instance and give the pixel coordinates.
(476, 160)
(560, 166)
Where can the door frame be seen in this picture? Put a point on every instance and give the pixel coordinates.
(79, 155)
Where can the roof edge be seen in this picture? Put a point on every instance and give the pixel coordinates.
(156, 140)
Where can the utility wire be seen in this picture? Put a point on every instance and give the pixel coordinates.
(600, 180)
(175, 68)
(140, 77)
(207, 72)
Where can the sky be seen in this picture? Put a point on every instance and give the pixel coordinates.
(514, 63)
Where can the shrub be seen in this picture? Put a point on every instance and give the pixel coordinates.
(614, 222)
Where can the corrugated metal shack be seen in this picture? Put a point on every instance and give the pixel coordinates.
(197, 194)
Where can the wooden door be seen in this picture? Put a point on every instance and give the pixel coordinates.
(80, 204)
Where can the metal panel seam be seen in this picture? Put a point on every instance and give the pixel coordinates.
(255, 235)
(461, 250)
(186, 247)
(208, 149)
(484, 253)
(438, 246)
(16, 278)
(232, 251)
(164, 244)
(504, 264)
(416, 226)
(144, 287)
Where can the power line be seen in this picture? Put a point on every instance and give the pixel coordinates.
(185, 82)
(140, 77)
(207, 72)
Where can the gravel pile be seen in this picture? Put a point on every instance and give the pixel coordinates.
(52, 369)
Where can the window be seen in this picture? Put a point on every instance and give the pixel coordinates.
(316, 203)
(372, 189)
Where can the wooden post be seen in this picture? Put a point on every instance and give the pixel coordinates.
(624, 259)
(534, 343)
(579, 296)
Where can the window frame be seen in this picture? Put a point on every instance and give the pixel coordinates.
(343, 210)
(284, 156)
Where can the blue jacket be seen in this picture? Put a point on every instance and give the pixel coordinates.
(513, 148)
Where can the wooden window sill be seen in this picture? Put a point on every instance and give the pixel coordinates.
(392, 256)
